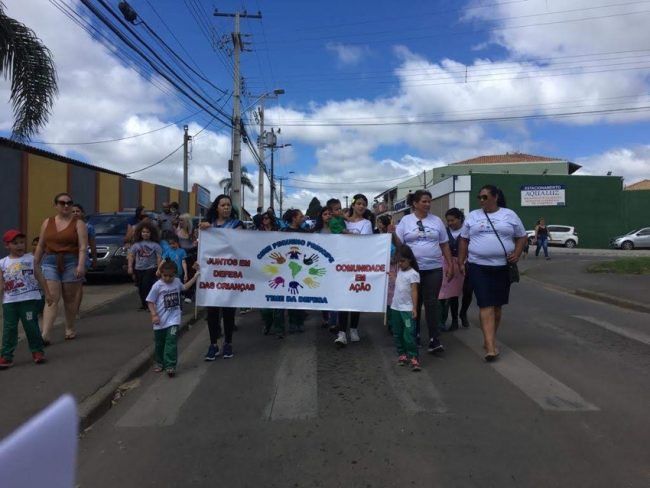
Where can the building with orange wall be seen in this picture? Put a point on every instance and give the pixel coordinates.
(31, 177)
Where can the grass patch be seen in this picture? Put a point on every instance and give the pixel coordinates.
(638, 266)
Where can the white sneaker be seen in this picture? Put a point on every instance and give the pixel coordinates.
(354, 335)
(341, 339)
(188, 300)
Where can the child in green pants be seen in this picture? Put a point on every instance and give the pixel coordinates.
(403, 308)
(164, 303)
(20, 284)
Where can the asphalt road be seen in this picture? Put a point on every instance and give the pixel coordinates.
(565, 406)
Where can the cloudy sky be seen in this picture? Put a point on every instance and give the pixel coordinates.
(374, 92)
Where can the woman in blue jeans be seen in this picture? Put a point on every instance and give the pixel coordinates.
(542, 236)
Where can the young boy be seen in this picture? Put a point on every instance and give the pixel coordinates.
(164, 303)
(177, 255)
(19, 283)
(337, 222)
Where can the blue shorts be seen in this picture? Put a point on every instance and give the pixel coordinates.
(491, 284)
(51, 272)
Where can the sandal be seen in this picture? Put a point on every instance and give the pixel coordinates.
(157, 368)
(70, 337)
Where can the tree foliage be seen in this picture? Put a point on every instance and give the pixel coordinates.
(28, 63)
(226, 183)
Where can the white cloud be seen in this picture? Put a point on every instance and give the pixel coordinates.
(632, 163)
(346, 54)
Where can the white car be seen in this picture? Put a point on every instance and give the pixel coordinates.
(561, 235)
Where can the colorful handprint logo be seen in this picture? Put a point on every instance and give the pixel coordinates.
(293, 269)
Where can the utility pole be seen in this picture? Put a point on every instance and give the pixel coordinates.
(260, 151)
(186, 139)
(237, 43)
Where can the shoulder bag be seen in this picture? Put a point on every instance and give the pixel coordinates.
(513, 270)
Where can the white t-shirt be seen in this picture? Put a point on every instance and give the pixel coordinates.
(402, 300)
(18, 275)
(167, 302)
(363, 226)
(424, 239)
(484, 246)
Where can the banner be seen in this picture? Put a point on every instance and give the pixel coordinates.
(543, 196)
(293, 270)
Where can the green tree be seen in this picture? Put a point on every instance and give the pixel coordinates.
(30, 67)
(314, 208)
(226, 183)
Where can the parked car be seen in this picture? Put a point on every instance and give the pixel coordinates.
(633, 239)
(110, 229)
(561, 235)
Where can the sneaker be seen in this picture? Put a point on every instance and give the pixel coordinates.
(415, 365)
(402, 360)
(354, 335)
(157, 368)
(171, 372)
(435, 346)
(213, 352)
(188, 300)
(454, 325)
(227, 351)
(38, 357)
(5, 363)
(341, 339)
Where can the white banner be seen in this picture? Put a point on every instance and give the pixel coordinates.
(543, 196)
(293, 270)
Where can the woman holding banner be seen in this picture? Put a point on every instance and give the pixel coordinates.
(358, 222)
(222, 216)
(426, 235)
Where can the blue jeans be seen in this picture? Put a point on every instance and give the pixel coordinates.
(542, 243)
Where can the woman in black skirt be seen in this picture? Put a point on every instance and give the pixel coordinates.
(492, 237)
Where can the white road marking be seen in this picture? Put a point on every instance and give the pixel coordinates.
(163, 400)
(548, 392)
(635, 335)
(295, 392)
(415, 392)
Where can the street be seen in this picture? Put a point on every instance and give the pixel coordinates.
(565, 405)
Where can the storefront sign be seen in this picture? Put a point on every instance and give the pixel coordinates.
(543, 196)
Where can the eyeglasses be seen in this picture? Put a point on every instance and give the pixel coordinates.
(420, 226)
(482, 197)
(65, 203)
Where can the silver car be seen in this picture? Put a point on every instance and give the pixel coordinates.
(633, 239)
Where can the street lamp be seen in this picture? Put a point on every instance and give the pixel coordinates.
(282, 178)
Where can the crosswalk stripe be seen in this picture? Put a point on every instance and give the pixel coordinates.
(162, 402)
(548, 392)
(635, 335)
(295, 392)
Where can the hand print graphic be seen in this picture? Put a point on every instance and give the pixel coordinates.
(292, 270)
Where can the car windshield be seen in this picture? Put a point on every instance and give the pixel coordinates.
(632, 232)
(110, 224)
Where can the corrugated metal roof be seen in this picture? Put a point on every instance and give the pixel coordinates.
(46, 154)
(639, 185)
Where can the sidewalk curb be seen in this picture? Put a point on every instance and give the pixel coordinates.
(594, 295)
(94, 406)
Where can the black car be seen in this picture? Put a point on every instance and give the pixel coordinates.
(110, 229)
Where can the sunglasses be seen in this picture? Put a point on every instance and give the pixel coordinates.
(482, 197)
(420, 226)
(65, 203)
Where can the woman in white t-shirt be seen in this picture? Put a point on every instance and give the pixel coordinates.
(359, 223)
(492, 237)
(426, 235)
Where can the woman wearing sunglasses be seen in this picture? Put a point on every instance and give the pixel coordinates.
(426, 235)
(492, 237)
(61, 253)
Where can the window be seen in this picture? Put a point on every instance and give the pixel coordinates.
(645, 232)
(558, 228)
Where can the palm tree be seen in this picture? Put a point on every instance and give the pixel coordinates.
(226, 183)
(29, 64)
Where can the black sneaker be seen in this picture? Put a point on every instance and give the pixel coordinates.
(213, 352)
(227, 351)
(464, 321)
(435, 346)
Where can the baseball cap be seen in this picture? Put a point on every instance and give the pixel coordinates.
(11, 234)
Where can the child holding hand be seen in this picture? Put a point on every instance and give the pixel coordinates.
(164, 303)
(403, 308)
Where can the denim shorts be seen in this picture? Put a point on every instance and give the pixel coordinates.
(51, 272)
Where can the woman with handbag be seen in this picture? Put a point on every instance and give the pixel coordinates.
(492, 239)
